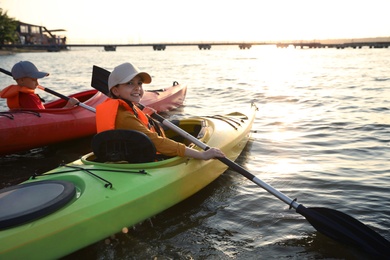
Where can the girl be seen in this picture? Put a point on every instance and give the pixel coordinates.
(120, 111)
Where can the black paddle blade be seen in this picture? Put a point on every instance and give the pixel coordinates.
(344, 228)
(100, 79)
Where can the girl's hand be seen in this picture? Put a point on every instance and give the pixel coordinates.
(212, 153)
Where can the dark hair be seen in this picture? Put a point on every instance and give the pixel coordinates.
(112, 95)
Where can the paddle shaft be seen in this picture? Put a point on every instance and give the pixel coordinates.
(66, 98)
(332, 223)
(6, 72)
(228, 162)
(54, 93)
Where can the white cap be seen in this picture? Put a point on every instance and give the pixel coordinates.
(126, 72)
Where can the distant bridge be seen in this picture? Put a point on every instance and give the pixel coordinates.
(354, 45)
(204, 45)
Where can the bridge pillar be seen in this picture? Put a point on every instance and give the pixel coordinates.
(244, 46)
(159, 47)
(282, 45)
(110, 47)
(204, 46)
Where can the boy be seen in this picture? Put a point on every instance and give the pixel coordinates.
(22, 95)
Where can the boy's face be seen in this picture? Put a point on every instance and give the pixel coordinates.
(28, 82)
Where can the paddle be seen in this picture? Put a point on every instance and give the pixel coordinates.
(6, 72)
(55, 93)
(332, 223)
(100, 79)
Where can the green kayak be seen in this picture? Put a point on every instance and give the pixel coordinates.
(83, 202)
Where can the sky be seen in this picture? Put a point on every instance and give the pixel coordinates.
(175, 21)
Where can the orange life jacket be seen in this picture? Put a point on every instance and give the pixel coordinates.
(106, 114)
(11, 93)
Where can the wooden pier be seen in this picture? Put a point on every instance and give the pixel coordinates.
(208, 45)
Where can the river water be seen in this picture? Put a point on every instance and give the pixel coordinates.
(321, 135)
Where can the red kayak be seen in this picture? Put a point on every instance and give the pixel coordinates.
(21, 130)
(165, 99)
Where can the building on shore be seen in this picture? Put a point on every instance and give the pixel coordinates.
(39, 37)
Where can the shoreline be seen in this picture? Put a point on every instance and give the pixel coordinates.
(15, 51)
(3, 53)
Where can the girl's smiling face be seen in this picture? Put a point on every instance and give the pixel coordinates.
(131, 91)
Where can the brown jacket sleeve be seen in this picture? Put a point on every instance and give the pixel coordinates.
(166, 146)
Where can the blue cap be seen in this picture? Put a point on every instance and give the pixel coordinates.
(26, 69)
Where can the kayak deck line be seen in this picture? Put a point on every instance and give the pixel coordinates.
(10, 114)
(89, 171)
(228, 120)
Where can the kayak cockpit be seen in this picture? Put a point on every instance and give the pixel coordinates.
(122, 145)
(132, 149)
(30, 201)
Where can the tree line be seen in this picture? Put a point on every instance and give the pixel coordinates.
(8, 28)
